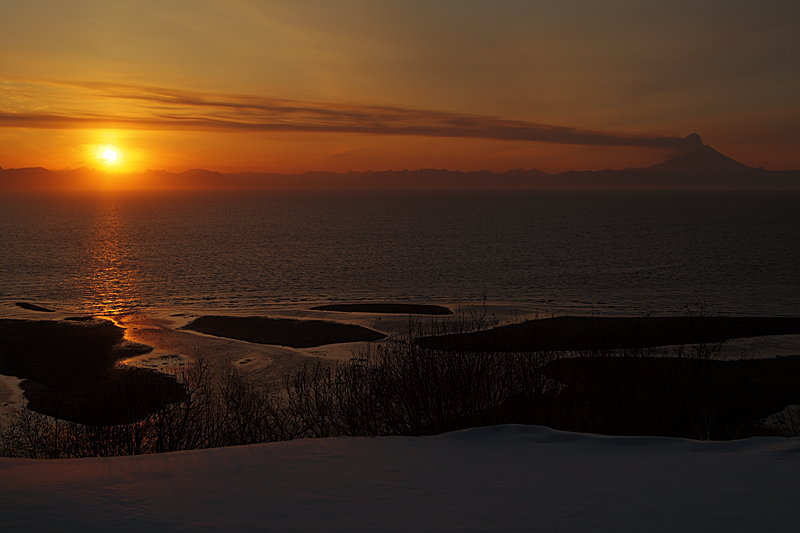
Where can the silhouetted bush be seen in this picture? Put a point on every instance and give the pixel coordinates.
(401, 388)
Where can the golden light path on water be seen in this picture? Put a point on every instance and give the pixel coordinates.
(113, 284)
(114, 279)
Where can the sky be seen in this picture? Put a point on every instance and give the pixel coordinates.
(303, 85)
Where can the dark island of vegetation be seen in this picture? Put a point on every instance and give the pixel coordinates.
(582, 333)
(33, 307)
(387, 308)
(282, 331)
(68, 371)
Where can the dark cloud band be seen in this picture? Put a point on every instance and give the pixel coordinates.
(165, 109)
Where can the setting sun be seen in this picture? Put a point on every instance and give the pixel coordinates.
(109, 155)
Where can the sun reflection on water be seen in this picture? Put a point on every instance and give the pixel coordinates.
(111, 287)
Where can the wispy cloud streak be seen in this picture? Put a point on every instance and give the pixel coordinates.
(150, 108)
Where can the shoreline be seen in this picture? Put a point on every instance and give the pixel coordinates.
(172, 346)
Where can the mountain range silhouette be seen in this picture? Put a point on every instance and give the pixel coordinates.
(701, 160)
(699, 168)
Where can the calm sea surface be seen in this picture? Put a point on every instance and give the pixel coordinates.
(613, 253)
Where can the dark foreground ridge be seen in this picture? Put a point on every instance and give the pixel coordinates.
(670, 396)
(571, 333)
(282, 331)
(393, 308)
(69, 373)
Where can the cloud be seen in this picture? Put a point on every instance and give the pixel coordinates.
(152, 108)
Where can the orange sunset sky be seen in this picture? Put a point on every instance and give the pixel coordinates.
(293, 86)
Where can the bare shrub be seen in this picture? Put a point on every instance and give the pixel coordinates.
(211, 413)
(401, 388)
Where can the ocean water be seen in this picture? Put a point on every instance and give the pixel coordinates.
(607, 253)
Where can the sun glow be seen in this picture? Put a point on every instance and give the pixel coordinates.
(109, 155)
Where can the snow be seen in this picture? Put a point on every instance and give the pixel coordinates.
(504, 478)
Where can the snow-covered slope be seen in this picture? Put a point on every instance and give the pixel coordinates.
(505, 478)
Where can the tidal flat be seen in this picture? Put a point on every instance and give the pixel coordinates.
(624, 376)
